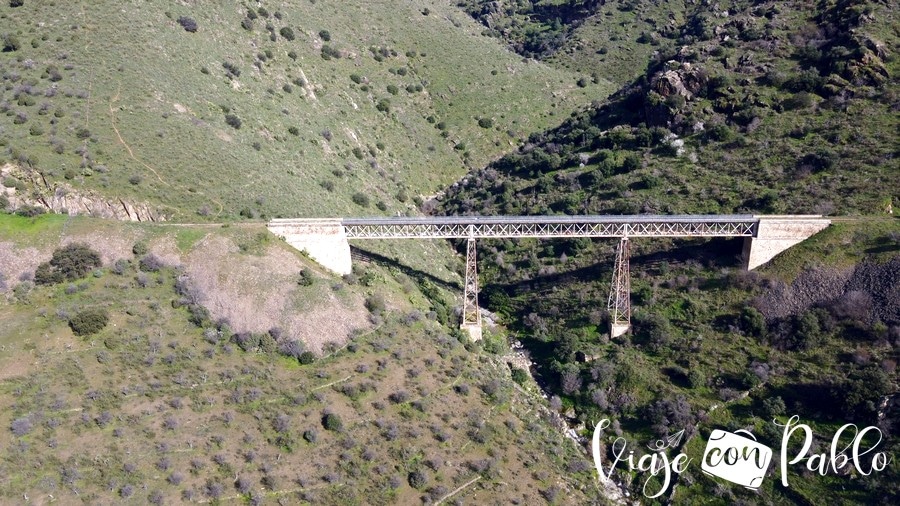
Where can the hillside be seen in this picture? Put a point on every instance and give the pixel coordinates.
(742, 107)
(170, 401)
(207, 111)
(158, 344)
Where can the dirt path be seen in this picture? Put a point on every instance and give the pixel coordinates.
(112, 119)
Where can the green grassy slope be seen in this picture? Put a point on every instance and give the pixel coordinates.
(119, 97)
(166, 404)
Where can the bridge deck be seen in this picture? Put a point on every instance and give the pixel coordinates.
(461, 227)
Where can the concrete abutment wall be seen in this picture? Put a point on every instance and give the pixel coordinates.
(775, 234)
(325, 241)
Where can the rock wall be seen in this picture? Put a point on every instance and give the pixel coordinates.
(61, 198)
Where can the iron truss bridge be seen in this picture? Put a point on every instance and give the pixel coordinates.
(474, 227)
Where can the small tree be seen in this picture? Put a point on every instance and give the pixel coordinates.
(89, 321)
(68, 263)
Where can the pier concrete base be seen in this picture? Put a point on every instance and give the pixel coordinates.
(474, 331)
(618, 329)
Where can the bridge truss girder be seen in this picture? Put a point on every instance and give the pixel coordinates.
(425, 230)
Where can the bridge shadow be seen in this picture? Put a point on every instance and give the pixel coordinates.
(363, 255)
(716, 252)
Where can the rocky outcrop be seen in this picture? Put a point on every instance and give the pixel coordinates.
(30, 188)
(680, 79)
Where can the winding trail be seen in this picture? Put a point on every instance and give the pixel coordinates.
(112, 119)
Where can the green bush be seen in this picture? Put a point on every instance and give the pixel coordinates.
(519, 375)
(233, 121)
(486, 123)
(360, 199)
(287, 32)
(332, 422)
(267, 344)
(306, 278)
(30, 211)
(89, 321)
(375, 303)
(307, 357)
(383, 105)
(417, 479)
(71, 262)
(329, 52)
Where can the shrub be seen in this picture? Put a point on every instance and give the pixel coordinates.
(486, 123)
(800, 100)
(417, 479)
(375, 303)
(383, 105)
(325, 35)
(392, 89)
(30, 211)
(233, 121)
(89, 321)
(267, 344)
(360, 199)
(306, 278)
(10, 43)
(21, 426)
(307, 357)
(329, 52)
(231, 70)
(150, 263)
(68, 263)
(287, 32)
(188, 24)
(332, 422)
(519, 375)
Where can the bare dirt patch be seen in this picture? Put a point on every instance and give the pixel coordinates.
(257, 293)
(15, 261)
